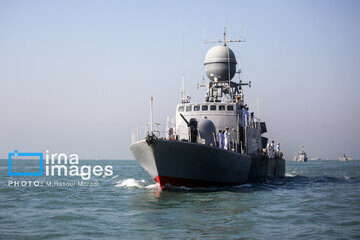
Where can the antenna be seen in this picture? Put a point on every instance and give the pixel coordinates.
(240, 80)
(244, 34)
(151, 113)
(204, 35)
(228, 64)
(182, 73)
(202, 84)
(225, 40)
(258, 107)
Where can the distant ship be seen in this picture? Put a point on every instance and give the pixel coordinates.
(193, 152)
(343, 158)
(315, 158)
(301, 155)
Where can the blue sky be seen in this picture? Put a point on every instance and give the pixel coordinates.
(76, 76)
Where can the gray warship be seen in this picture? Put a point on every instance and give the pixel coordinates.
(301, 155)
(191, 152)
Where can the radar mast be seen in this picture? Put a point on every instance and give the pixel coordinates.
(220, 66)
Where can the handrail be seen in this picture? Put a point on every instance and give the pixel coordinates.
(157, 130)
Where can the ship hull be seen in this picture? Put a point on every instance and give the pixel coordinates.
(176, 163)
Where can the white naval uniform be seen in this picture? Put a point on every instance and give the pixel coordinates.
(227, 140)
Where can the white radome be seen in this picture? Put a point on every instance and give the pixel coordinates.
(218, 61)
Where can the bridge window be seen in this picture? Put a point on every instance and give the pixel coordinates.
(181, 109)
(188, 108)
(221, 107)
(197, 108)
(230, 107)
(213, 108)
(204, 107)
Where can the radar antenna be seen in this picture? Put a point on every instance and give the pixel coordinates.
(225, 41)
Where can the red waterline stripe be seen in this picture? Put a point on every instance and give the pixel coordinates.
(173, 181)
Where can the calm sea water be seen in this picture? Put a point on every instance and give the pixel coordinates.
(316, 200)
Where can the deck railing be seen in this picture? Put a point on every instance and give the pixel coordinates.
(140, 133)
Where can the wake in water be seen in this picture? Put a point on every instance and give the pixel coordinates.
(143, 184)
(133, 183)
(290, 174)
(291, 180)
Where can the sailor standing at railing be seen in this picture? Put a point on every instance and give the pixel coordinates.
(247, 115)
(243, 115)
(242, 129)
(278, 147)
(272, 149)
(227, 138)
(278, 154)
(221, 139)
(252, 119)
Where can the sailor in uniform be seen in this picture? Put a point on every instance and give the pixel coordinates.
(244, 113)
(221, 139)
(244, 124)
(247, 115)
(278, 147)
(278, 150)
(227, 138)
(272, 149)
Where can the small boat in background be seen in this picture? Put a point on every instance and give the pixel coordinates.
(343, 158)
